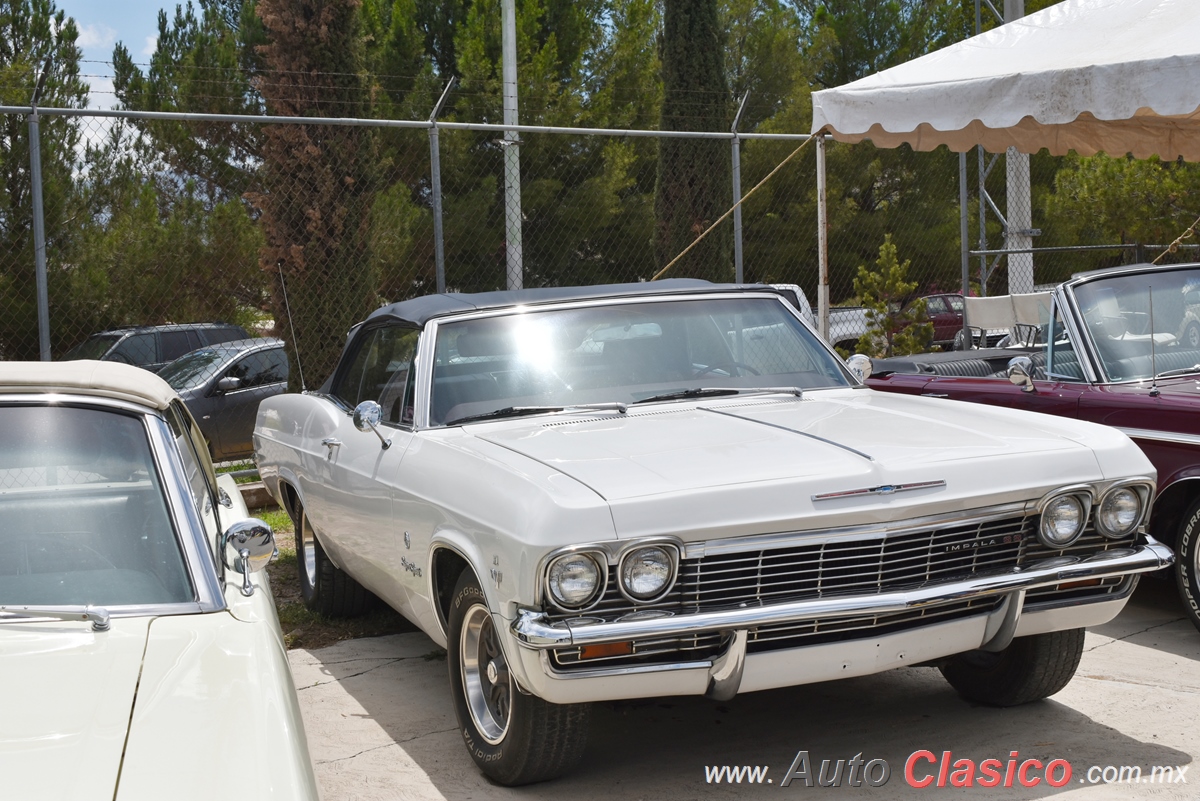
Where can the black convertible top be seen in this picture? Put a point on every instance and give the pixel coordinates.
(420, 310)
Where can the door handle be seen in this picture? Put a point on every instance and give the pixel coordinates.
(331, 443)
(934, 395)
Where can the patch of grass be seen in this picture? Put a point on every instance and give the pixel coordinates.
(230, 467)
(303, 628)
(279, 521)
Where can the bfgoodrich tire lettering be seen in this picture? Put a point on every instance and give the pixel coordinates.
(1029, 669)
(1187, 563)
(325, 588)
(514, 738)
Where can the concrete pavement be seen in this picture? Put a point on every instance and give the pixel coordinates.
(381, 725)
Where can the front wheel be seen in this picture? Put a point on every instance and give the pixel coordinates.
(514, 738)
(324, 587)
(1029, 669)
(1187, 563)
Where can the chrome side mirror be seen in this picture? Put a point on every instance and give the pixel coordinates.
(860, 366)
(1020, 372)
(254, 543)
(367, 416)
(228, 383)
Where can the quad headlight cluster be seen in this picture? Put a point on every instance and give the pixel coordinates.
(1117, 515)
(645, 573)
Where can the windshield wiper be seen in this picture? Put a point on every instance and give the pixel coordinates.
(1195, 368)
(520, 411)
(97, 614)
(710, 392)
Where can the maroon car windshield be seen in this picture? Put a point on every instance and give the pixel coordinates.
(1144, 324)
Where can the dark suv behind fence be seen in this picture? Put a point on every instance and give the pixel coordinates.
(153, 346)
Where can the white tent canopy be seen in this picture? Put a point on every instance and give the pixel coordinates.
(1119, 76)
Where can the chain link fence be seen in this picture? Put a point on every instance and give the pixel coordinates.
(193, 224)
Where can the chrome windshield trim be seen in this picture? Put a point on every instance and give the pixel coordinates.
(785, 539)
(533, 629)
(115, 611)
(428, 345)
(188, 530)
(197, 551)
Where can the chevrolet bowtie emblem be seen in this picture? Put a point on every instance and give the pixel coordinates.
(884, 489)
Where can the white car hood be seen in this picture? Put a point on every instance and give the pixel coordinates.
(768, 457)
(66, 694)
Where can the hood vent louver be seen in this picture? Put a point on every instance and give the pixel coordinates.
(610, 417)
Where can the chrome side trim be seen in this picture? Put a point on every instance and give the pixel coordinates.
(532, 628)
(1161, 436)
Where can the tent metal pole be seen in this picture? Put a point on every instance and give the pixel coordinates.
(822, 243)
(962, 240)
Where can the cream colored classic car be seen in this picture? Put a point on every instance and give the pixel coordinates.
(676, 488)
(140, 654)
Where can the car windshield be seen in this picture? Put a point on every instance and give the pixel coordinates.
(623, 353)
(1144, 324)
(193, 369)
(83, 519)
(93, 347)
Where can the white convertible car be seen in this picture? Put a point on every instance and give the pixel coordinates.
(140, 654)
(676, 488)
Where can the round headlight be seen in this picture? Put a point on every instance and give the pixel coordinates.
(1120, 510)
(574, 580)
(646, 572)
(1062, 521)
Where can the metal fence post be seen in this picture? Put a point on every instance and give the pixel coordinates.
(39, 223)
(435, 180)
(822, 242)
(514, 256)
(737, 191)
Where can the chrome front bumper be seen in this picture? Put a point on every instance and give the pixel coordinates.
(534, 631)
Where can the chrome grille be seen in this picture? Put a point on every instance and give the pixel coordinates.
(866, 566)
(856, 567)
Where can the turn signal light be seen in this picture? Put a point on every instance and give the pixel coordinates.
(605, 649)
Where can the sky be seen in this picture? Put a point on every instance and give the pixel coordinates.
(103, 23)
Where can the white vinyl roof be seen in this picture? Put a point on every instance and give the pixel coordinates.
(1119, 76)
(102, 379)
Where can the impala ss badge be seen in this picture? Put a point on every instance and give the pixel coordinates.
(411, 567)
(885, 489)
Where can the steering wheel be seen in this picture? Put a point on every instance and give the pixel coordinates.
(727, 367)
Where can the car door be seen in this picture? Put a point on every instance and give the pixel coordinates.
(354, 475)
(1058, 385)
(140, 350)
(259, 374)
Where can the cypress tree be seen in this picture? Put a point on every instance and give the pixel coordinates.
(318, 180)
(693, 185)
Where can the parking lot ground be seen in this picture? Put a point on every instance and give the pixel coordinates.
(381, 726)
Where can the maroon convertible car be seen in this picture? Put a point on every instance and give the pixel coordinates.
(1119, 346)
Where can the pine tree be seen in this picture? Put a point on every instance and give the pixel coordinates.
(892, 328)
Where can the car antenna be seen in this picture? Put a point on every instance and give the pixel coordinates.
(288, 307)
(1154, 391)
